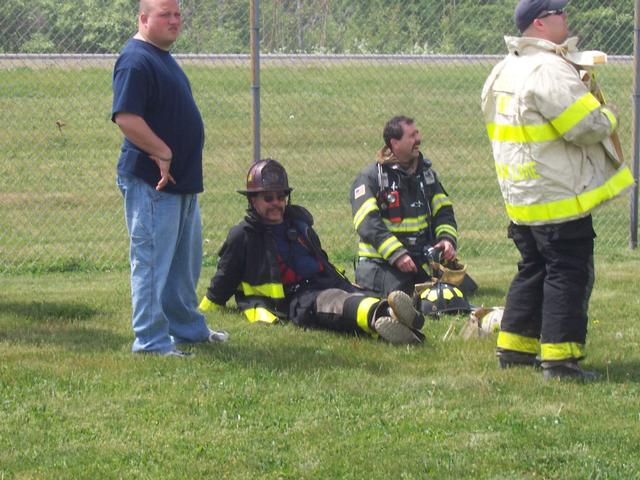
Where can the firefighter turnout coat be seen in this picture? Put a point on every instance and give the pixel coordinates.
(550, 135)
(249, 269)
(394, 211)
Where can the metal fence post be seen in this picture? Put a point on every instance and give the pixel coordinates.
(254, 15)
(633, 240)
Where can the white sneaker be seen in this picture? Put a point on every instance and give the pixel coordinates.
(217, 336)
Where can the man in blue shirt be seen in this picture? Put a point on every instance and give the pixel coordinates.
(160, 175)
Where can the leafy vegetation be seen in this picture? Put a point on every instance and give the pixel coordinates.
(311, 26)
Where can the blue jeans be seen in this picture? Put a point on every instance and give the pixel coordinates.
(166, 256)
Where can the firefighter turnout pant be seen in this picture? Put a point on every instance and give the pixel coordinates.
(338, 310)
(333, 304)
(547, 302)
(380, 278)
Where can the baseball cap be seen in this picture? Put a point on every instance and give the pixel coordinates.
(528, 10)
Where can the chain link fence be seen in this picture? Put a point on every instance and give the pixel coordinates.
(332, 73)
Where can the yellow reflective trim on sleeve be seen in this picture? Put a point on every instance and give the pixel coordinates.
(612, 118)
(407, 225)
(575, 113)
(365, 209)
(446, 229)
(518, 343)
(522, 134)
(364, 307)
(269, 290)
(574, 206)
(561, 351)
(439, 200)
(260, 314)
(389, 246)
(367, 250)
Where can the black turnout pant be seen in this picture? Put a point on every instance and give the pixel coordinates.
(548, 298)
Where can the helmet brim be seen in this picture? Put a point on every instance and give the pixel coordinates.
(246, 193)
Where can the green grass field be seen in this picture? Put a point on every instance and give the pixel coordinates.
(279, 402)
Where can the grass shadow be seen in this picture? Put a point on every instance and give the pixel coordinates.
(617, 372)
(343, 353)
(49, 311)
(65, 324)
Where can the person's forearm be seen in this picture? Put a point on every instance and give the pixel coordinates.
(140, 134)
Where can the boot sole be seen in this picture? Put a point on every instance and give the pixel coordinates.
(402, 309)
(395, 332)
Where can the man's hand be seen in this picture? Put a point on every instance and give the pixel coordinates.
(405, 264)
(447, 249)
(164, 164)
(136, 129)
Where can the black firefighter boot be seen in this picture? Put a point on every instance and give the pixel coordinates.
(511, 358)
(396, 321)
(566, 370)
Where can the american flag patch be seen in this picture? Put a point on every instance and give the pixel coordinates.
(358, 192)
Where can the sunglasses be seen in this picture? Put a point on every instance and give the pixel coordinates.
(549, 13)
(270, 197)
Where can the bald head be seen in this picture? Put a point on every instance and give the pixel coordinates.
(159, 22)
(144, 6)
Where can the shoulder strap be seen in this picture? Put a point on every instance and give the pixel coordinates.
(383, 179)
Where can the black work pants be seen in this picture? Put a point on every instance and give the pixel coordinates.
(548, 298)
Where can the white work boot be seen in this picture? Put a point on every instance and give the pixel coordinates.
(395, 332)
(401, 309)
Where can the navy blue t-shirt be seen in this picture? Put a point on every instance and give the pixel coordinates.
(148, 82)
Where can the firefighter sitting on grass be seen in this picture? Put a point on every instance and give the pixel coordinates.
(273, 263)
(400, 209)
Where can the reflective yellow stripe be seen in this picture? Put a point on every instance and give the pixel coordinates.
(363, 313)
(545, 132)
(367, 207)
(206, 305)
(503, 103)
(518, 343)
(521, 134)
(448, 229)
(440, 200)
(573, 115)
(410, 224)
(612, 118)
(574, 206)
(270, 290)
(260, 314)
(389, 246)
(561, 351)
(366, 250)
